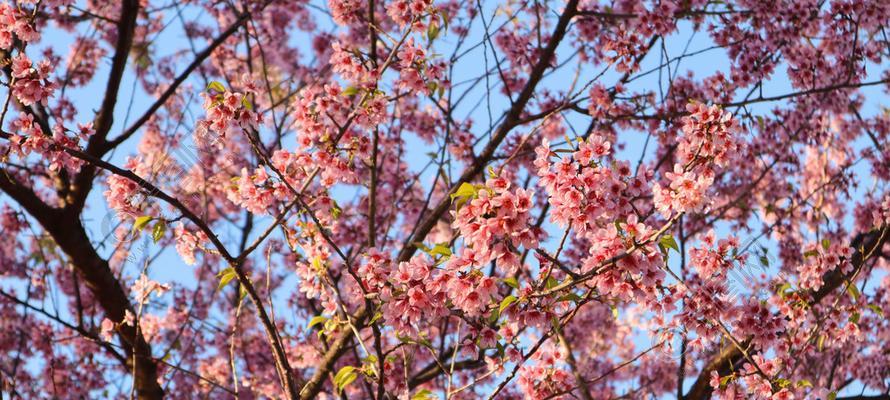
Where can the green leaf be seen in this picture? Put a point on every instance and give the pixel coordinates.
(158, 231)
(853, 291)
(877, 310)
(572, 296)
(811, 253)
(424, 394)
(226, 276)
(444, 15)
(216, 87)
(782, 382)
(820, 343)
(336, 211)
(551, 282)
(440, 249)
(246, 103)
(804, 383)
(344, 377)
(422, 247)
(465, 190)
(783, 290)
(316, 320)
(421, 341)
(725, 380)
(141, 222)
(764, 261)
(832, 396)
(371, 359)
(350, 91)
(506, 302)
(826, 243)
(554, 323)
(854, 318)
(432, 32)
(317, 264)
(669, 243)
(512, 282)
(493, 317)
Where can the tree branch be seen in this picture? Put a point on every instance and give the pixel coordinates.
(729, 356)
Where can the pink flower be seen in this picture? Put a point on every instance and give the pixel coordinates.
(187, 242)
(106, 331)
(123, 196)
(143, 287)
(31, 85)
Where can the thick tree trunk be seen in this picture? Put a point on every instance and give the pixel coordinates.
(69, 234)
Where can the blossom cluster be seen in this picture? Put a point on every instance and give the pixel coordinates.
(715, 257)
(404, 12)
(545, 377)
(416, 73)
(494, 223)
(29, 137)
(585, 191)
(188, 242)
(709, 139)
(14, 21)
(254, 192)
(595, 199)
(412, 295)
(123, 194)
(820, 259)
(31, 84)
(229, 114)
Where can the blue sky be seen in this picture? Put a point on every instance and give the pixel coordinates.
(169, 267)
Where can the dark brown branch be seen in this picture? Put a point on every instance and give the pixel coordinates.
(69, 234)
(99, 146)
(511, 120)
(126, 27)
(281, 364)
(339, 346)
(199, 59)
(730, 356)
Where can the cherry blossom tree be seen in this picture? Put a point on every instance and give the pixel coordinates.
(418, 199)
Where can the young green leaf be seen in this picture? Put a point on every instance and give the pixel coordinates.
(216, 87)
(226, 276)
(350, 91)
(344, 377)
(440, 250)
(141, 222)
(424, 394)
(512, 282)
(316, 320)
(669, 243)
(463, 191)
(158, 231)
(506, 302)
(853, 291)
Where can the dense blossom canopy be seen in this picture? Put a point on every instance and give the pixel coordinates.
(444, 199)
